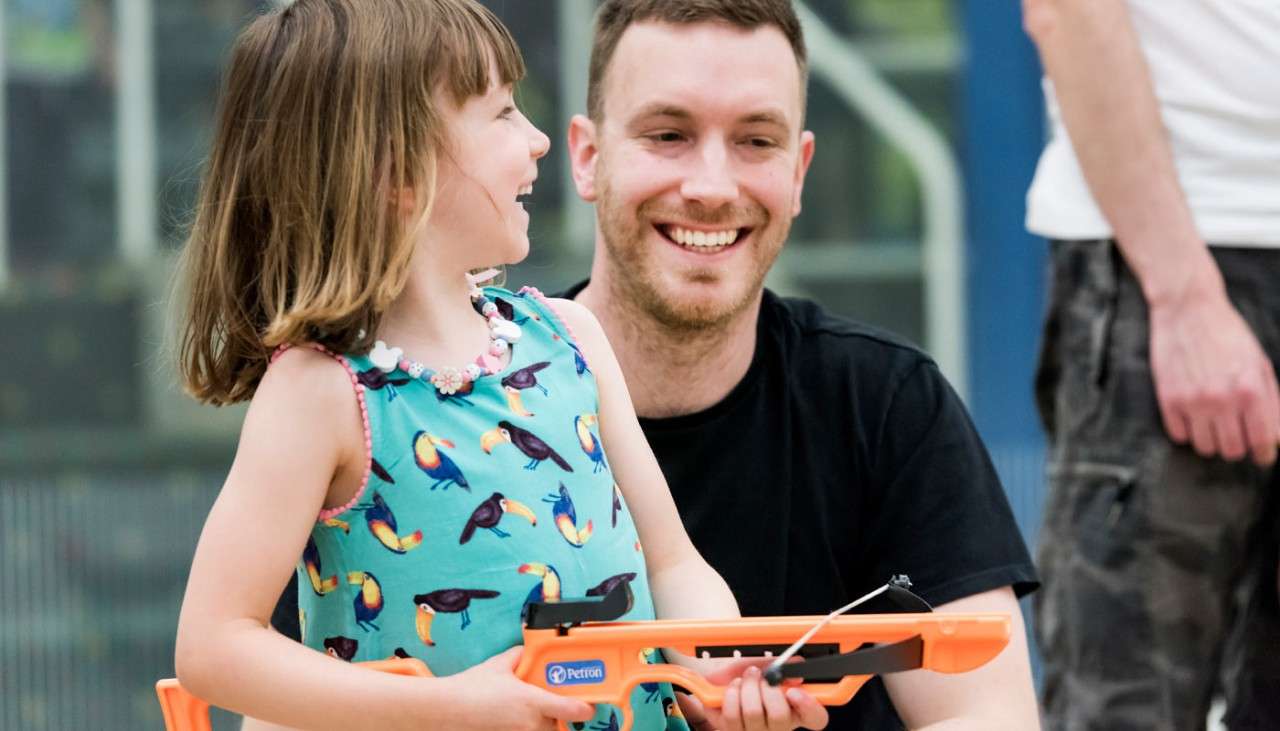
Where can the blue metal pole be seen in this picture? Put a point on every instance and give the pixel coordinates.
(1003, 133)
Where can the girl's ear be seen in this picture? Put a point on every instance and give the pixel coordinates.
(583, 154)
(405, 201)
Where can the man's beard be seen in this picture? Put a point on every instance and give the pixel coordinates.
(634, 273)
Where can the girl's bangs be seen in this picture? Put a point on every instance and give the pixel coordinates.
(476, 41)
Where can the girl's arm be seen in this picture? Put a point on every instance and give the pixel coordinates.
(684, 585)
(302, 448)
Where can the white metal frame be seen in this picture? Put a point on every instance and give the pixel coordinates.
(136, 148)
(4, 159)
(574, 32)
(856, 81)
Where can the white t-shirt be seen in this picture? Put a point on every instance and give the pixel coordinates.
(1215, 65)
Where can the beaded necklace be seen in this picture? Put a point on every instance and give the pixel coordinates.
(503, 334)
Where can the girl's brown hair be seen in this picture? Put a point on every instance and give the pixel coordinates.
(328, 107)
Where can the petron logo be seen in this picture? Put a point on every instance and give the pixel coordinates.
(581, 672)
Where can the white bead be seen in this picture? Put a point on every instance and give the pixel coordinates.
(474, 371)
(416, 370)
(384, 358)
(498, 346)
(488, 308)
(507, 330)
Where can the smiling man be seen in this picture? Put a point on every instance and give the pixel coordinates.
(811, 457)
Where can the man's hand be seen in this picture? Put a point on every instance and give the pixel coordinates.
(1215, 385)
(751, 704)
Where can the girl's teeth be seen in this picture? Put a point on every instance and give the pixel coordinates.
(706, 239)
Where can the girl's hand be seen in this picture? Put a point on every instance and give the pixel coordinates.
(490, 696)
(751, 704)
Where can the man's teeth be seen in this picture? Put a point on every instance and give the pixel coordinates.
(526, 190)
(685, 237)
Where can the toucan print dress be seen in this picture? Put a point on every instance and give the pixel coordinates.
(478, 500)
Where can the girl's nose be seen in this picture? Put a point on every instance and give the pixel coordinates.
(539, 143)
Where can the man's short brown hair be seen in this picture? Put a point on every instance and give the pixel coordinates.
(615, 16)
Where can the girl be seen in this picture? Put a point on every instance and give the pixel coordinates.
(367, 157)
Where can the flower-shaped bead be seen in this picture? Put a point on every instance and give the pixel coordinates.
(384, 358)
(448, 380)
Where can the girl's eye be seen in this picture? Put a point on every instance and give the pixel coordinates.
(507, 112)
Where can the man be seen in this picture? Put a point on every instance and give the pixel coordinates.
(811, 457)
(1157, 379)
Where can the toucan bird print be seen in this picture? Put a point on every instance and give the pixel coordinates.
(489, 512)
(516, 403)
(343, 648)
(610, 725)
(566, 517)
(508, 312)
(376, 379)
(525, 441)
(376, 468)
(548, 590)
(448, 601)
(604, 587)
(517, 381)
(436, 463)
(368, 603)
(311, 560)
(579, 362)
(382, 524)
(590, 444)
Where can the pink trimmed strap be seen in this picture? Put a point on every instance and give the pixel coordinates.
(559, 319)
(364, 418)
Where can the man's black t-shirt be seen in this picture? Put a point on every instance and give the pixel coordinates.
(843, 457)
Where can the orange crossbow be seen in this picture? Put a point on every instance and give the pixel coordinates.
(575, 649)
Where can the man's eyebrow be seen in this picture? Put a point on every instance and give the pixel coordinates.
(767, 116)
(662, 109)
(672, 111)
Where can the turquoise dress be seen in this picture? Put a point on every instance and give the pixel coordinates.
(476, 503)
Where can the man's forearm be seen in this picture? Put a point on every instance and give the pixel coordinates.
(1104, 88)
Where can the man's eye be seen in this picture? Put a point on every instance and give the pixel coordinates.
(666, 137)
(762, 142)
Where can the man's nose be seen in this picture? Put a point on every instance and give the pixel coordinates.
(711, 180)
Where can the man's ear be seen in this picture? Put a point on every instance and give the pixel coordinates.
(583, 155)
(807, 144)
